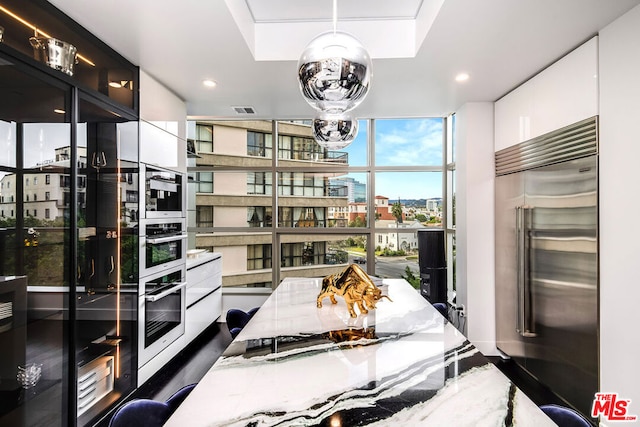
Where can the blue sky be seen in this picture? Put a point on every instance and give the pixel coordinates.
(403, 142)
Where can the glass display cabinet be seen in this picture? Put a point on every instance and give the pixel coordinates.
(68, 225)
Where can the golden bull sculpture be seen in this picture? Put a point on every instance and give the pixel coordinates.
(355, 286)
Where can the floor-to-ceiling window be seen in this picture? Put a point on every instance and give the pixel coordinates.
(450, 191)
(267, 191)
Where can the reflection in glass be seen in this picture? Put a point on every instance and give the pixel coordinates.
(107, 257)
(8, 143)
(34, 251)
(334, 72)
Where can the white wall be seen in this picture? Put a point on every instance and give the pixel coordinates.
(619, 208)
(475, 230)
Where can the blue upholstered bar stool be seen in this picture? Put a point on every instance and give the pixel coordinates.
(442, 309)
(238, 319)
(147, 412)
(565, 417)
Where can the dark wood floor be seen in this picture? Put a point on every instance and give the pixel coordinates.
(190, 366)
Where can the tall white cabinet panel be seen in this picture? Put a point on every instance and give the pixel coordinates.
(163, 125)
(513, 116)
(563, 93)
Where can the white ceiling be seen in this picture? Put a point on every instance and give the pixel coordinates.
(499, 43)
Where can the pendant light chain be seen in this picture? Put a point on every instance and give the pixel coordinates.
(335, 16)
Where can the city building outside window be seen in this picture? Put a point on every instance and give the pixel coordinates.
(204, 181)
(396, 161)
(258, 257)
(204, 139)
(302, 184)
(259, 183)
(204, 216)
(302, 254)
(259, 216)
(259, 144)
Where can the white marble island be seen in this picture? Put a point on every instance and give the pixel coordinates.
(401, 364)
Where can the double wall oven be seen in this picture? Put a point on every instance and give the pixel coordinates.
(163, 244)
(163, 253)
(161, 312)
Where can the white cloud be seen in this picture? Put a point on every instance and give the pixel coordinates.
(409, 142)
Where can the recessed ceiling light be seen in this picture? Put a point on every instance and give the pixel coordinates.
(115, 84)
(209, 83)
(59, 111)
(462, 77)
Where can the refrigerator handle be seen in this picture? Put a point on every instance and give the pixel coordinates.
(519, 271)
(528, 312)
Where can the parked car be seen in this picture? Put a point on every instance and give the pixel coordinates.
(360, 260)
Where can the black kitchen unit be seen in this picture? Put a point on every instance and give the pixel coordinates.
(69, 215)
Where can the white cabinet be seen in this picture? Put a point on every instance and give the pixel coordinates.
(163, 125)
(513, 116)
(564, 93)
(204, 293)
(162, 148)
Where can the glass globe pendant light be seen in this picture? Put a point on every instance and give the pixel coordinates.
(334, 72)
(334, 131)
(334, 75)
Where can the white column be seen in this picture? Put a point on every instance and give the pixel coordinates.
(619, 208)
(475, 229)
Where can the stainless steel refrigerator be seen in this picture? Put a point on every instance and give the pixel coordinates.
(547, 259)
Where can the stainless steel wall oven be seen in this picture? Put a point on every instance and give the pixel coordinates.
(161, 312)
(163, 245)
(165, 192)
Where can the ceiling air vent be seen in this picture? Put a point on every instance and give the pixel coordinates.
(244, 110)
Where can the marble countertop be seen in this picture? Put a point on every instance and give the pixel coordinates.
(401, 364)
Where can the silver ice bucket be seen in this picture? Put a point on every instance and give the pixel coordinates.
(57, 54)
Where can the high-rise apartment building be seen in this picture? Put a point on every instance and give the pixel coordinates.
(235, 207)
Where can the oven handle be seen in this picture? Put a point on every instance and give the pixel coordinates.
(177, 287)
(156, 240)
